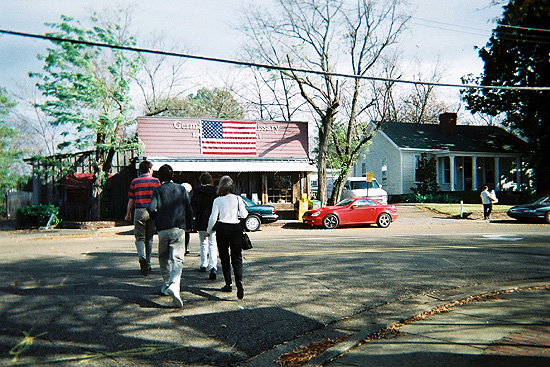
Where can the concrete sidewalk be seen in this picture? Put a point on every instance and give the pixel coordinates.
(478, 326)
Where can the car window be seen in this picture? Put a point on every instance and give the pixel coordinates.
(247, 201)
(365, 202)
(344, 202)
(545, 200)
(362, 185)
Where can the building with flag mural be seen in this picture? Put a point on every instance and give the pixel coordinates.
(268, 160)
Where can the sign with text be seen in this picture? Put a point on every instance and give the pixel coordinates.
(178, 137)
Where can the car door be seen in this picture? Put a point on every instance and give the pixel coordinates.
(363, 211)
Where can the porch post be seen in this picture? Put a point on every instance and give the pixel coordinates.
(474, 173)
(452, 169)
(497, 173)
(519, 170)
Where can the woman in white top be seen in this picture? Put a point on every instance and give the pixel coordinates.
(227, 210)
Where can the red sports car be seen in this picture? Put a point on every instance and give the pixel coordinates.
(359, 210)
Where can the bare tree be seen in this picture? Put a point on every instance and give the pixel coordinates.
(161, 79)
(271, 96)
(324, 36)
(420, 105)
(37, 132)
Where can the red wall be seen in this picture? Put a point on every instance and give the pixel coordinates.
(178, 137)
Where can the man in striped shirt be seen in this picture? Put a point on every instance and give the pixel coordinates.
(139, 197)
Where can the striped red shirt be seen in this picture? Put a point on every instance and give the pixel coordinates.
(141, 190)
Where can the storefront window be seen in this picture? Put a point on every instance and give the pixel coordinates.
(279, 189)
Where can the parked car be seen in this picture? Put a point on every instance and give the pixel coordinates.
(539, 210)
(360, 187)
(258, 214)
(356, 210)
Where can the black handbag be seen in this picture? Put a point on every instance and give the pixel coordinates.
(246, 244)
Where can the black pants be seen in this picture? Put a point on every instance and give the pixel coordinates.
(229, 239)
(487, 209)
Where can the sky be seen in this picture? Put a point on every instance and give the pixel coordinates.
(442, 32)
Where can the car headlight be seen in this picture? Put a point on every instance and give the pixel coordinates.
(314, 214)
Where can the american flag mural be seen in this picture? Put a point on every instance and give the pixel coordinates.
(228, 137)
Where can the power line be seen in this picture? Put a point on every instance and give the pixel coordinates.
(450, 27)
(525, 28)
(264, 66)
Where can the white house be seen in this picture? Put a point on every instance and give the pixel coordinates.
(468, 157)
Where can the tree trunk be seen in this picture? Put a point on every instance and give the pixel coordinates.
(338, 186)
(324, 134)
(96, 194)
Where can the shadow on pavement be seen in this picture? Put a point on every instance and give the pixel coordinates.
(68, 311)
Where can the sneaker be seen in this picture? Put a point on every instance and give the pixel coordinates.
(163, 290)
(144, 267)
(202, 269)
(212, 274)
(240, 290)
(175, 294)
(226, 288)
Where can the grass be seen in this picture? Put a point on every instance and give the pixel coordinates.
(475, 210)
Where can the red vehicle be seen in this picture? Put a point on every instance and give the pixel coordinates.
(359, 210)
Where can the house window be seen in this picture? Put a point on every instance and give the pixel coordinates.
(363, 169)
(446, 170)
(489, 171)
(279, 189)
(416, 166)
(384, 171)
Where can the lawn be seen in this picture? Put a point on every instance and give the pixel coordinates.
(471, 211)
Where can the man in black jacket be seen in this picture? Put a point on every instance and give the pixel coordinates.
(171, 207)
(201, 201)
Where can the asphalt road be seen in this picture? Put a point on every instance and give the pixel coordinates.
(77, 298)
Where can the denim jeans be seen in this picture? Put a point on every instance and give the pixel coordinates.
(209, 251)
(171, 255)
(144, 230)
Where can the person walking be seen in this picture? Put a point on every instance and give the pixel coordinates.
(227, 210)
(201, 201)
(171, 207)
(189, 188)
(139, 197)
(487, 199)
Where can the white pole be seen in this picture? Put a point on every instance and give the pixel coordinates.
(461, 209)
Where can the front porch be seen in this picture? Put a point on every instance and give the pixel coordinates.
(471, 172)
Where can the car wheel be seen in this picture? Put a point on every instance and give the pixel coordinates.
(384, 220)
(252, 223)
(330, 221)
(547, 217)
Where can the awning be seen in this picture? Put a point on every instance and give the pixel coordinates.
(82, 181)
(233, 164)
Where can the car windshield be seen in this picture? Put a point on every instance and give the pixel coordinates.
(361, 185)
(344, 202)
(544, 200)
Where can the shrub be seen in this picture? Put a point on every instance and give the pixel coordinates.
(438, 197)
(37, 215)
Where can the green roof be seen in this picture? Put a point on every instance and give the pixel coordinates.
(468, 138)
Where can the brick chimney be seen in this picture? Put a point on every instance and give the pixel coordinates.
(447, 121)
